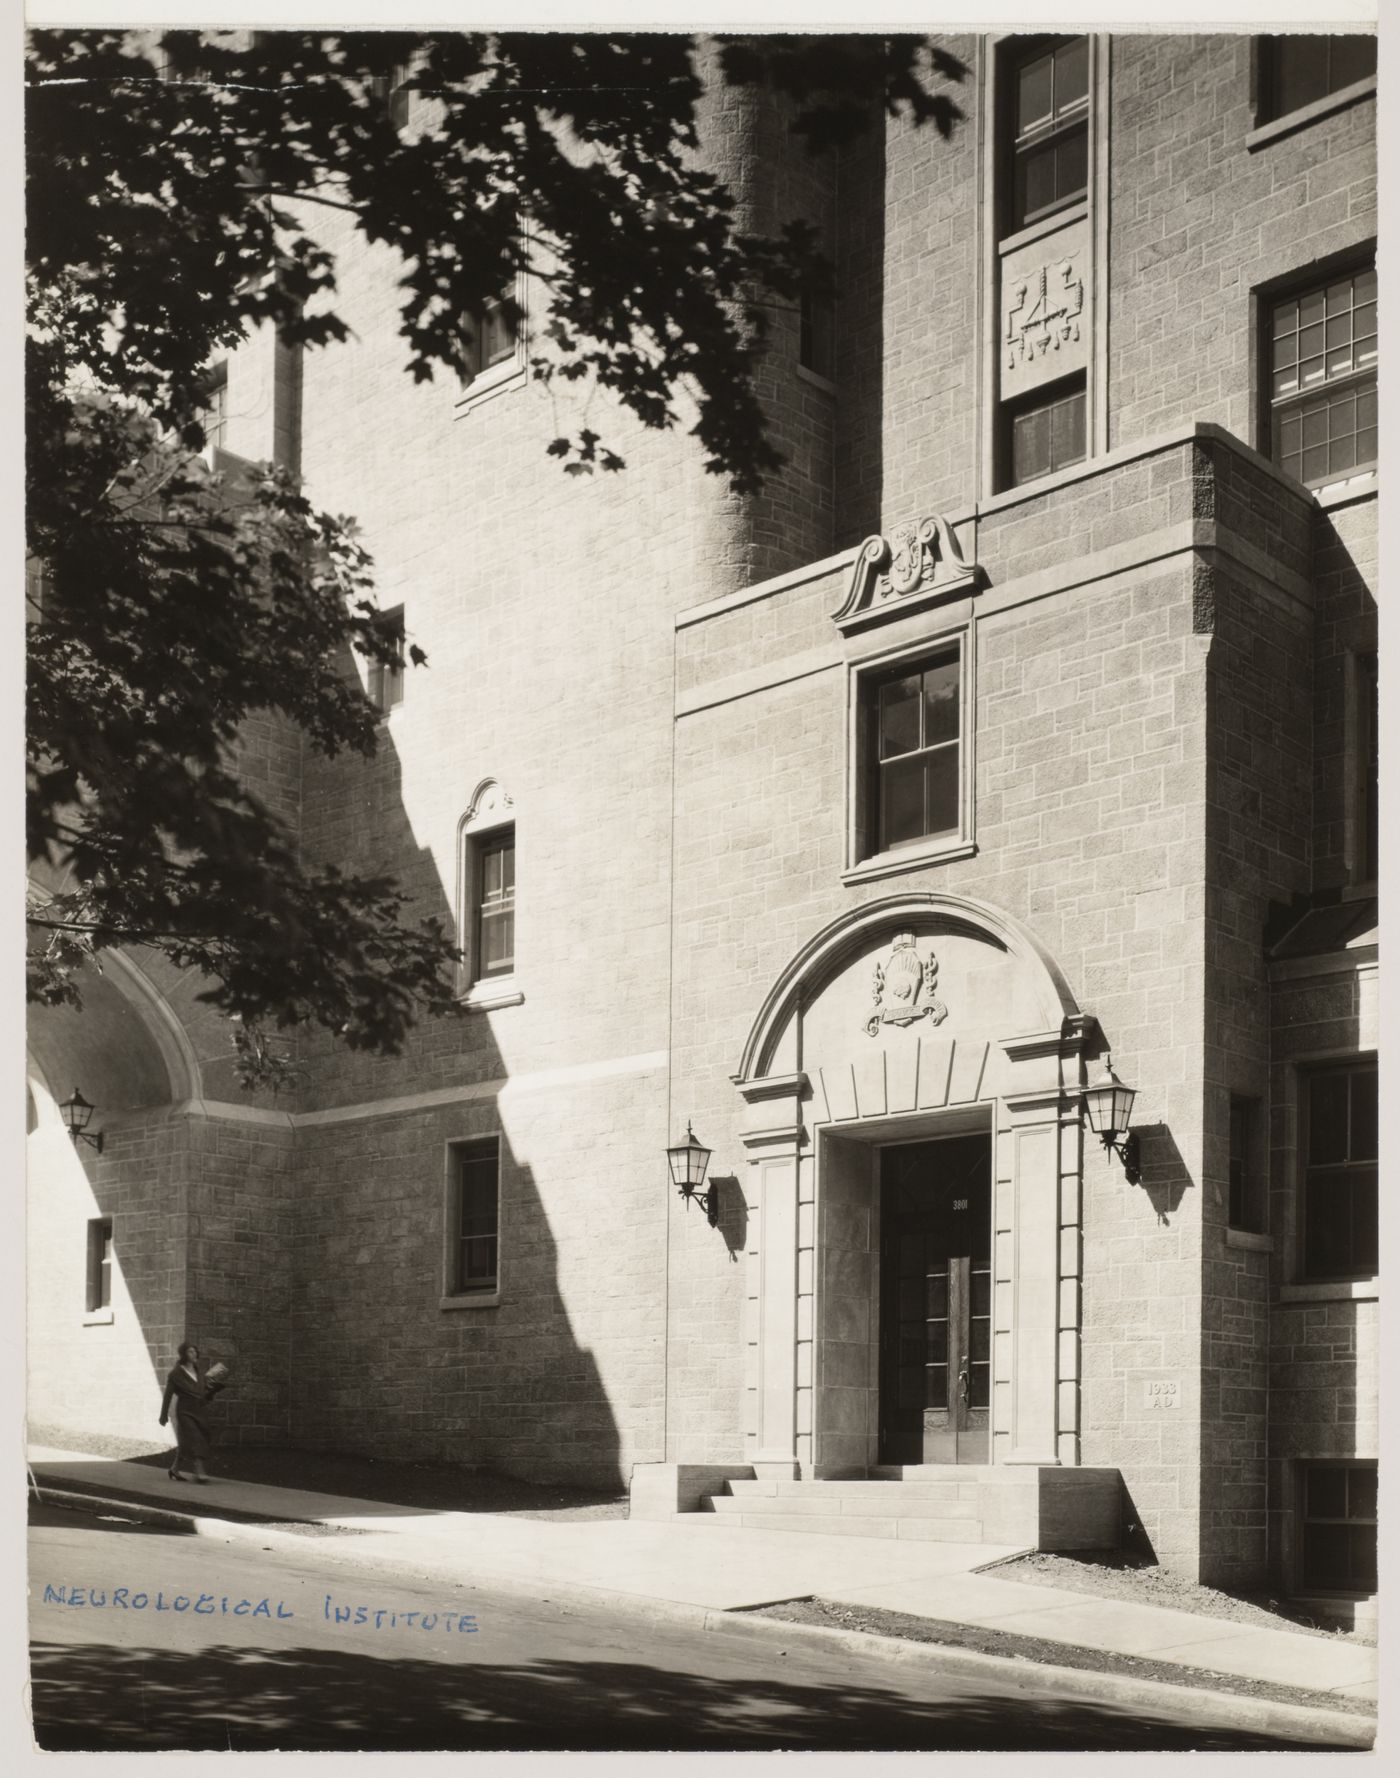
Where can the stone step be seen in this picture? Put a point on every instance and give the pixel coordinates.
(822, 1503)
(846, 1525)
(888, 1492)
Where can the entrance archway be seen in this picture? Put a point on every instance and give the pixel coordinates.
(914, 1019)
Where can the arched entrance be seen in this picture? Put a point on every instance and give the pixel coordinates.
(913, 1126)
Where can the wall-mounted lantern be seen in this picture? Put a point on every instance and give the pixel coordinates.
(688, 1160)
(77, 1114)
(1109, 1106)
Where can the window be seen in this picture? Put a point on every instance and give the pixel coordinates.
(1322, 379)
(1339, 1174)
(1246, 1186)
(911, 721)
(474, 1218)
(386, 677)
(1050, 129)
(99, 1264)
(491, 336)
(494, 947)
(1045, 432)
(1368, 765)
(393, 95)
(1339, 1527)
(1299, 70)
(213, 407)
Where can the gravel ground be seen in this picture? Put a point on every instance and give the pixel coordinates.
(439, 1487)
(1119, 1577)
(1051, 1654)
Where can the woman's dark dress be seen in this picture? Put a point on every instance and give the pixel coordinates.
(192, 1434)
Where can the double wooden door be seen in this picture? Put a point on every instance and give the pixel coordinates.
(936, 1301)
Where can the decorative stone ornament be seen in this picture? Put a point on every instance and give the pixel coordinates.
(917, 563)
(905, 988)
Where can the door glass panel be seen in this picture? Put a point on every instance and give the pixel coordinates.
(936, 1395)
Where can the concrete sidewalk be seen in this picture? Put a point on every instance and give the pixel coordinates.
(699, 1561)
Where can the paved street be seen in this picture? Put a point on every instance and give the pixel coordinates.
(202, 1645)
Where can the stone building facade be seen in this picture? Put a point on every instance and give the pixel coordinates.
(1029, 715)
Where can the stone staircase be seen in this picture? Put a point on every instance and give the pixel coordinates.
(941, 1511)
(1031, 1507)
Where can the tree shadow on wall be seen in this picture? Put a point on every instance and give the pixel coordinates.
(312, 1257)
(238, 1699)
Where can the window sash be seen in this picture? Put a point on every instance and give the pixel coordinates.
(1301, 70)
(495, 906)
(99, 1264)
(916, 770)
(1340, 1175)
(386, 679)
(1055, 139)
(476, 1220)
(1339, 1527)
(1047, 435)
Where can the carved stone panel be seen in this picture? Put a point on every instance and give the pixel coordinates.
(1046, 326)
(919, 563)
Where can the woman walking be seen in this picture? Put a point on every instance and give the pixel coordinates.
(188, 1390)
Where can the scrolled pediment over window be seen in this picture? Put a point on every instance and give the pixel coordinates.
(918, 564)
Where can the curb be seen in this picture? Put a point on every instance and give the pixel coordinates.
(1228, 1709)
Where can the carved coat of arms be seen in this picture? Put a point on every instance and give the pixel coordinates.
(905, 988)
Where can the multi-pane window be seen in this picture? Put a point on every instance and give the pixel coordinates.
(1338, 1528)
(1046, 433)
(495, 903)
(917, 756)
(1246, 1186)
(99, 1264)
(1299, 70)
(386, 677)
(1322, 370)
(213, 407)
(475, 1212)
(1339, 1174)
(1050, 120)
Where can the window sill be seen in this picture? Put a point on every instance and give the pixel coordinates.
(1340, 1290)
(1309, 114)
(1248, 1241)
(1357, 487)
(488, 996)
(509, 374)
(98, 1318)
(1047, 225)
(477, 1299)
(907, 858)
(807, 375)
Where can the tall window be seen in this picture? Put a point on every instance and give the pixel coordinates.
(99, 1264)
(491, 334)
(1050, 124)
(475, 1218)
(1339, 1527)
(1322, 371)
(916, 717)
(1339, 1178)
(386, 677)
(213, 407)
(1246, 1184)
(495, 903)
(1299, 70)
